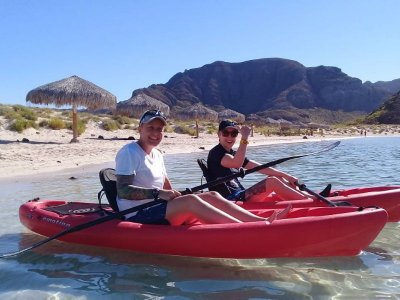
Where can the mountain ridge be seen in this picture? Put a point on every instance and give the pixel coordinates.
(268, 84)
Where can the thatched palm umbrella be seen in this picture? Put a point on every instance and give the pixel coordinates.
(229, 114)
(74, 91)
(138, 104)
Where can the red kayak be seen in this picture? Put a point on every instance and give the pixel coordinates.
(303, 232)
(386, 197)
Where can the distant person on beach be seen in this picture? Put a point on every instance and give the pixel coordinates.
(223, 161)
(142, 178)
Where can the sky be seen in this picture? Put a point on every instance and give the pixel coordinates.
(124, 45)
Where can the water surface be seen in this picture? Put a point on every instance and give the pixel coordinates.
(68, 271)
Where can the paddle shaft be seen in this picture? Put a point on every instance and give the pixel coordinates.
(85, 225)
(243, 173)
(303, 187)
(322, 198)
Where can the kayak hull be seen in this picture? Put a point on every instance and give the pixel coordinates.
(386, 197)
(305, 232)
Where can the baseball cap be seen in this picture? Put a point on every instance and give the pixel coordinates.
(225, 124)
(150, 115)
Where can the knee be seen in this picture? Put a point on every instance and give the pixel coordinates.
(188, 202)
(214, 194)
(273, 181)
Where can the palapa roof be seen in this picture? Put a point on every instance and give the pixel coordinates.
(197, 111)
(72, 91)
(138, 104)
(229, 114)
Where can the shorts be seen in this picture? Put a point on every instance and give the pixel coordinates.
(237, 196)
(151, 215)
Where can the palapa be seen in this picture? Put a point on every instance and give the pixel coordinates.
(73, 91)
(138, 104)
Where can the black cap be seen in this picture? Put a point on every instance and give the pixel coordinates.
(225, 124)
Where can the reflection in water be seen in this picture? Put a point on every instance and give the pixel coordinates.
(118, 272)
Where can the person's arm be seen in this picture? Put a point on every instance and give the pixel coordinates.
(237, 160)
(167, 184)
(272, 172)
(128, 191)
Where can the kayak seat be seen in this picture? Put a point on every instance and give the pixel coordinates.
(221, 188)
(108, 181)
(203, 166)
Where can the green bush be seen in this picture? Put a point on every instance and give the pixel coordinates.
(81, 126)
(25, 112)
(185, 130)
(56, 123)
(5, 111)
(44, 123)
(123, 120)
(110, 125)
(20, 124)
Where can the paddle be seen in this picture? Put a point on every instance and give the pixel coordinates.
(303, 187)
(243, 172)
(84, 226)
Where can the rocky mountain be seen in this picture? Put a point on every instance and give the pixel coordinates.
(270, 84)
(387, 113)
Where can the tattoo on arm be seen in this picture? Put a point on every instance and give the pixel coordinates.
(128, 191)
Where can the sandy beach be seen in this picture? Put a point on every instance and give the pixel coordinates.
(51, 150)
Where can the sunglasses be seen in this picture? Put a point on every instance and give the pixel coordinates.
(232, 133)
(151, 114)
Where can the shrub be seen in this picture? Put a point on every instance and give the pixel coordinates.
(25, 112)
(44, 123)
(81, 126)
(123, 120)
(110, 125)
(56, 123)
(5, 111)
(185, 130)
(20, 124)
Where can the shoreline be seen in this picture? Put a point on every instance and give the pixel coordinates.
(49, 151)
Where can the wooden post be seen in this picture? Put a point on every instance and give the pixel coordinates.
(197, 129)
(74, 124)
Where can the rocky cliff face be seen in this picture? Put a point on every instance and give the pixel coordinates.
(270, 84)
(387, 113)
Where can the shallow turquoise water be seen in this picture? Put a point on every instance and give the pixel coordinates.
(73, 271)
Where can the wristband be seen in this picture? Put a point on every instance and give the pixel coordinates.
(244, 142)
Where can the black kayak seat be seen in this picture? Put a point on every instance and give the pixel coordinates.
(108, 181)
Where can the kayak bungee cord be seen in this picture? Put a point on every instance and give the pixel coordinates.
(241, 173)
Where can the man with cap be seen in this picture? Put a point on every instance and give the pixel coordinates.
(223, 161)
(141, 178)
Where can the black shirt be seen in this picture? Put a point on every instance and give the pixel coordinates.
(216, 171)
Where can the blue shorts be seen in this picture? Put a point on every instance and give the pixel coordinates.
(151, 215)
(237, 196)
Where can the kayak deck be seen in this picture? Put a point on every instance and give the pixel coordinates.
(386, 197)
(304, 232)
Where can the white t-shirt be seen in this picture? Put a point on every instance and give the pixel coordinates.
(148, 170)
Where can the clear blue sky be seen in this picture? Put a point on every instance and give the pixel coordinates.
(122, 45)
